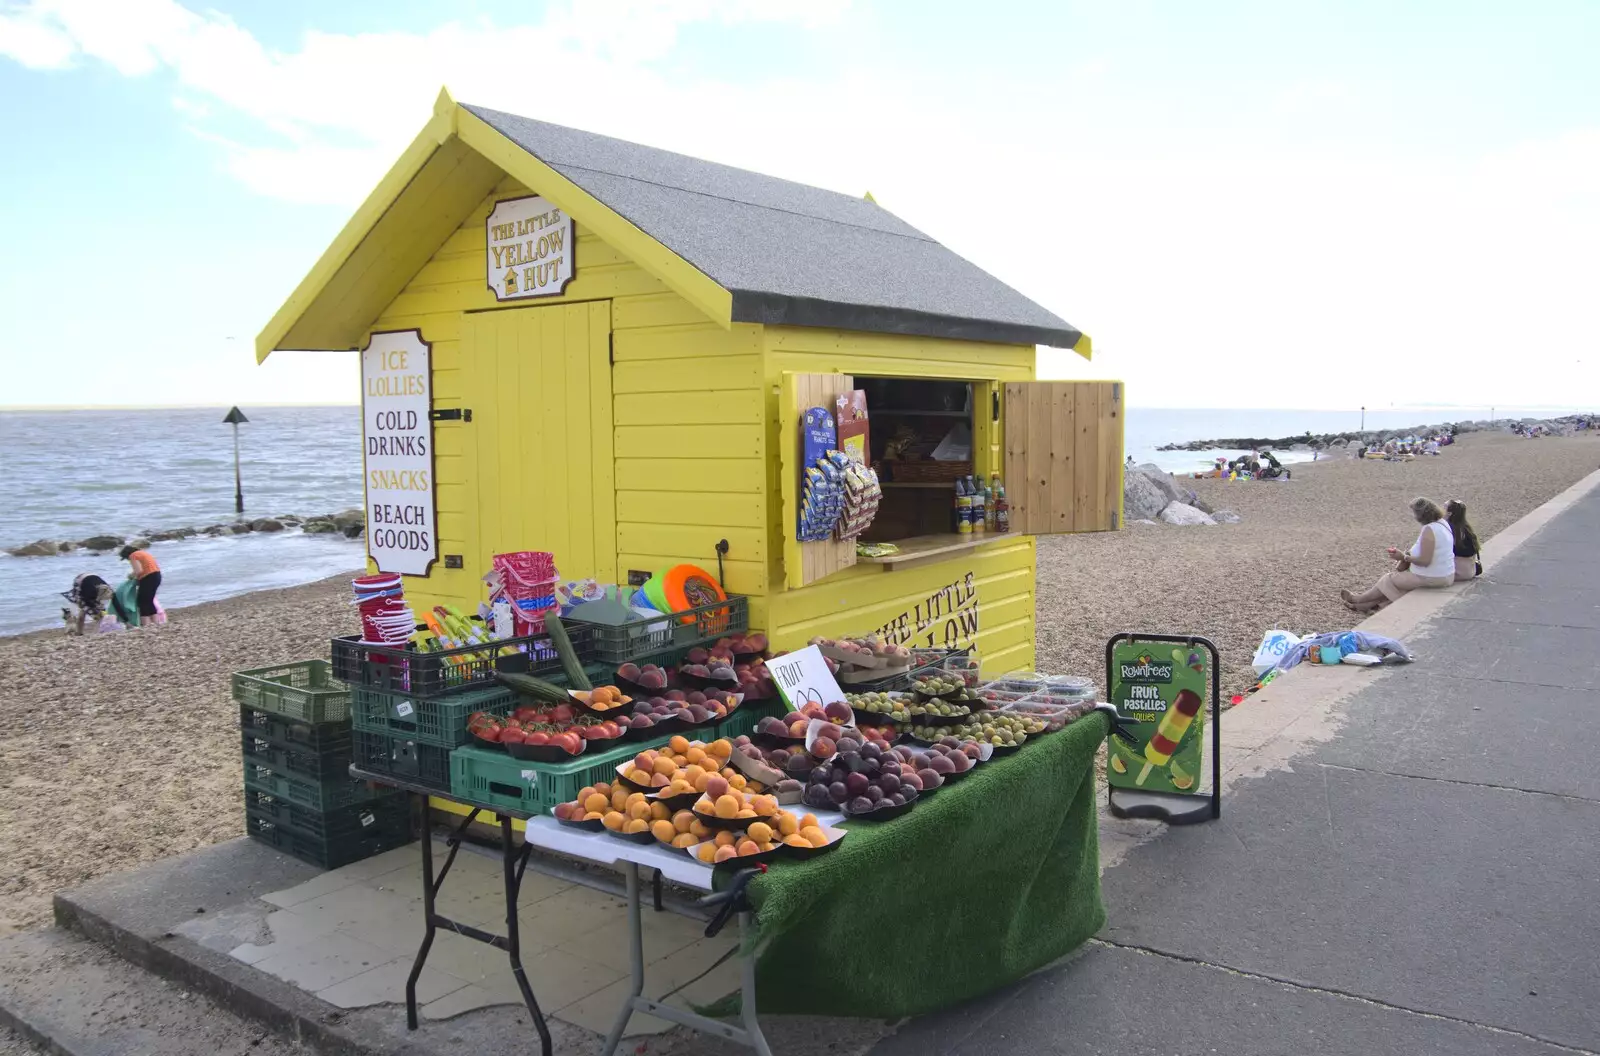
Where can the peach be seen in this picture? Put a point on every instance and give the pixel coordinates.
(717, 787)
(724, 853)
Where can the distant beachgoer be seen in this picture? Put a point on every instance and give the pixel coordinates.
(148, 576)
(1430, 562)
(1469, 556)
(91, 596)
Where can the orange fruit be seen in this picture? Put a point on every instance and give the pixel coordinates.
(737, 781)
(619, 797)
(809, 822)
(695, 756)
(728, 807)
(663, 831)
(761, 832)
(815, 835)
(635, 797)
(745, 812)
(644, 760)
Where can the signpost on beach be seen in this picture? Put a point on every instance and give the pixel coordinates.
(233, 418)
(1159, 682)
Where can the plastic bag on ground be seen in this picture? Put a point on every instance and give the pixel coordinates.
(1275, 645)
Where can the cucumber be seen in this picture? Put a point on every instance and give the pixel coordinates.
(570, 663)
(537, 688)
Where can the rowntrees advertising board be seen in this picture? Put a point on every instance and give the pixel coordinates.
(1162, 688)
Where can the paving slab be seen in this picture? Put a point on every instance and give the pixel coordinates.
(1125, 1002)
(1425, 724)
(1558, 606)
(1458, 900)
(1534, 655)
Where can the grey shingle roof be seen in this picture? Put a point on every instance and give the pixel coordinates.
(787, 252)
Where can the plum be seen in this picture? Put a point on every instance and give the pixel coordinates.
(798, 765)
(888, 766)
(890, 783)
(857, 784)
(875, 794)
(961, 762)
(860, 805)
(837, 792)
(970, 750)
(698, 714)
(822, 775)
(896, 800)
(817, 796)
(697, 655)
(849, 744)
(870, 750)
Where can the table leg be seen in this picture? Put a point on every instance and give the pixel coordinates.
(513, 862)
(636, 959)
(747, 988)
(427, 916)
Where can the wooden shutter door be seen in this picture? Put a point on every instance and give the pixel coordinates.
(806, 562)
(1063, 462)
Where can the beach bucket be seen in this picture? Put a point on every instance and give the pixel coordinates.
(386, 619)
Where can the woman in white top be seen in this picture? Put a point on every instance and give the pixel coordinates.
(1431, 562)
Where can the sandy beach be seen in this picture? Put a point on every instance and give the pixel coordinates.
(123, 749)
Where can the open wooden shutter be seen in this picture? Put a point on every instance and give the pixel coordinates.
(806, 562)
(1064, 456)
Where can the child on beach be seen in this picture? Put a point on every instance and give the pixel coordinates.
(1430, 563)
(147, 574)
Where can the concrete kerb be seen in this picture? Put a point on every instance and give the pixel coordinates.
(1302, 707)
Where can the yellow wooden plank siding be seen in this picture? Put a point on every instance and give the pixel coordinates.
(864, 598)
(536, 469)
(691, 442)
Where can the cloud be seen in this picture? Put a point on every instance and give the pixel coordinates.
(33, 42)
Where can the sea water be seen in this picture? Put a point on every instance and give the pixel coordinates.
(72, 474)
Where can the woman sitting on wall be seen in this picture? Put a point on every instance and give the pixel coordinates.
(1431, 562)
(1469, 558)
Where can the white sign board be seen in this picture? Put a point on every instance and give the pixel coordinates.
(396, 394)
(529, 249)
(803, 677)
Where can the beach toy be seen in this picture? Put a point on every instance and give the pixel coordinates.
(689, 587)
(1174, 723)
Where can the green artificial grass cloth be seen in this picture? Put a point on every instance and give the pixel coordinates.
(984, 881)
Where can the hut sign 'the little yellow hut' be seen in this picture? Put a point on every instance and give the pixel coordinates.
(397, 435)
(529, 242)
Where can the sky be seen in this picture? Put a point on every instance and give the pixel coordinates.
(1246, 204)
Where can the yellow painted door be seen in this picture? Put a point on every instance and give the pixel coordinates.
(538, 382)
(806, 562)
(1063, 461)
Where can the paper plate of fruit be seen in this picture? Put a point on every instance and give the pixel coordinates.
(723, 807)
(704, 671)
(602, 699)
(633, 818)
(880, 709)
(938, 712)
(736, 848)
(864, 781)
(647, 681)
(945, 687)
(593, 803)
(811, 839)
(681, 831)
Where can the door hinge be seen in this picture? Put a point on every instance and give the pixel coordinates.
(994, 414)
(1116, 392)
(1115, 519)
(611, 349)
(451, 414)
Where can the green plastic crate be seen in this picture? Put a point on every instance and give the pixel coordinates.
(483, 775)
(441, 721)
(304, 690)
(322, 795)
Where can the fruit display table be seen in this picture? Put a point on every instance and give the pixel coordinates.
(983, 882)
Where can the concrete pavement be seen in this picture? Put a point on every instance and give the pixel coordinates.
(1407, 860)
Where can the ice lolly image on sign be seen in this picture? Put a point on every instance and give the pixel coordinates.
(1170, 731)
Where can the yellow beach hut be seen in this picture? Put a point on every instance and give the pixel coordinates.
(577, 344)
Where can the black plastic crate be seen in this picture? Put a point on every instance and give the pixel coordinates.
(441, 722)
(321, 794)
(637, 639)
(316, 737)
(385, 815)
(397, 756)
(433, 674)
(324, 852)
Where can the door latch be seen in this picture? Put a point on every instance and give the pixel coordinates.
(450, 414)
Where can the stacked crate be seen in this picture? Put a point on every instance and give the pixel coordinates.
(298, 745)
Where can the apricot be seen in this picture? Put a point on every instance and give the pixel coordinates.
(725, 838)
(693, 773)
(794, 839)
(659, 811)
(761, 832)
(722, 748)
(638, 776)
(724, 853)
(614, 820)
(636, 797)
(699, 829)
(639, 811)
(695, 756)
(644, 760)
(682, 820)
(593, 815)
(663, 831)
(708, 853)
(636, 825)
(596, 801)
(787, 824)
(680, 743)
(684, 839)
(815, 835)
(664, 765)
(745, 812)
(737, 781)
(810, 822)
(680, 787)
(603, 787)
(748, 847)
(727, 807)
